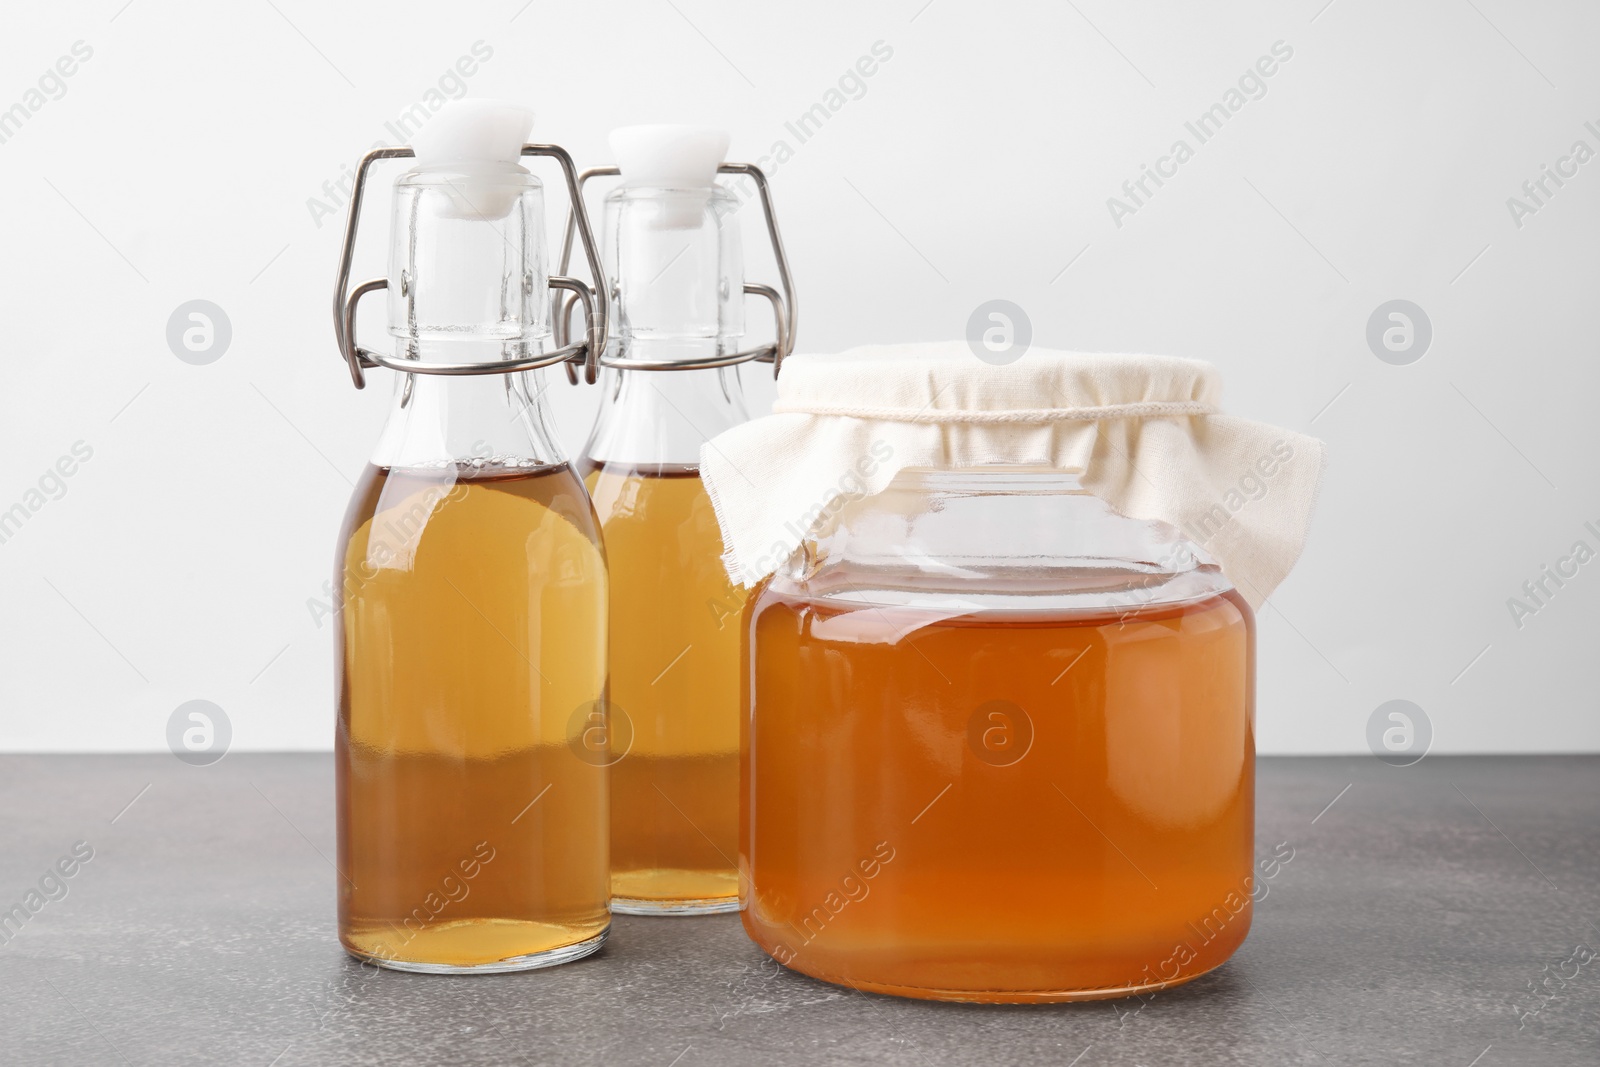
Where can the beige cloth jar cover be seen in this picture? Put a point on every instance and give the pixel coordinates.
(1144, 433)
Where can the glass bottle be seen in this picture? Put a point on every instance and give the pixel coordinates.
(998, 745)
(675, 263)
(472, 606)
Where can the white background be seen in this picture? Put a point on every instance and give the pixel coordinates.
(976, 164)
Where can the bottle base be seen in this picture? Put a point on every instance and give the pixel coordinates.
(531, 961)
(674, 891)
(704, 906)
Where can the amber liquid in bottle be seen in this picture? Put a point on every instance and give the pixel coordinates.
(1011, 807)
(674, 639)
(472, 637)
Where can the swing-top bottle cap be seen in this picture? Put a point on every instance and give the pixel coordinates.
(468, 285)
(479, 142)
(671, 157)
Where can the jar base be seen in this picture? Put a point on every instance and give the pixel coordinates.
(1009, 996)
(527, 962)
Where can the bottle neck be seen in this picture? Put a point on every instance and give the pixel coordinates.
(663, 417)
(466, 262)
(676, 263)
(497, 421)
(467, 284)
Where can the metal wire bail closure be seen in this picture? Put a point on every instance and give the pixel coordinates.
(586, 352)
(785, 311)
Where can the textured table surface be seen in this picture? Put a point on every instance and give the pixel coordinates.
(1441, 913)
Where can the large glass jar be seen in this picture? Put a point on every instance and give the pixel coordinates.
(997, 745)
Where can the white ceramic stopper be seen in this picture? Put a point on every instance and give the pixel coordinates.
(682, 159)
(480, 142)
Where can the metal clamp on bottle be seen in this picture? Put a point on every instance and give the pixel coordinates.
(520, 323)
(672, 175)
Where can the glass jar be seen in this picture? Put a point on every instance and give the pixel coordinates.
(997, 745)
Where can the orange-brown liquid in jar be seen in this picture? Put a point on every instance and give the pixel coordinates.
(471, 834)
(675, 677)
(992, 807)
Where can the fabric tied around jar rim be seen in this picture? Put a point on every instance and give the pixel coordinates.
(1144, 433)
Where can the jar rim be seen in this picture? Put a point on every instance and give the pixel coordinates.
(991, 478)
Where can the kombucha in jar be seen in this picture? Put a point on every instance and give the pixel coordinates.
(998, 746)
(471, 595)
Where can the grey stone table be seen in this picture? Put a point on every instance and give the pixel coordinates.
(1442, 913)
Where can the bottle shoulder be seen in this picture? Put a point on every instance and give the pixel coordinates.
(469, 508)
(660, 419)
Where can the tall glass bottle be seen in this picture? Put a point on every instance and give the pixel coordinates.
(472, 835)
(674, 260)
